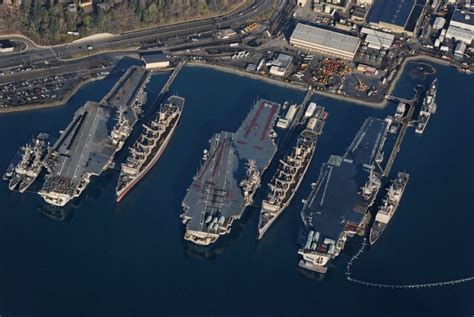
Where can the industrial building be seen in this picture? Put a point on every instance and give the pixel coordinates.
(459, 34)
(6, 46)
(463, 20)
(399, 16)
(333, 44)
(281, 64)
(461, 27)
(439, 23)
(156, 61)
(331, 6)
(460, 49)
(377, 39)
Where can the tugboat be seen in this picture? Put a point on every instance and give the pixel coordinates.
(389, 206)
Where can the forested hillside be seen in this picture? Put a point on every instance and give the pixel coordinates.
(48, 21)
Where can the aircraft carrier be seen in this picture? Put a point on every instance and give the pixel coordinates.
(291, 172)
(230, 175)
(98, 130)
(336, 208)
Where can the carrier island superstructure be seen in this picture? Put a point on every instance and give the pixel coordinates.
(231, 173)
(337, 207)
(98, 130)
(291, 171)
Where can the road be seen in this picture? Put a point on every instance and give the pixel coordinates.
(37, 54)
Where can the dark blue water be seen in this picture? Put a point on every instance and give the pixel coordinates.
(131, 260)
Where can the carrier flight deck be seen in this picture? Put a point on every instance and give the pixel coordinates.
(230, 174)
(346, 187)
(88, 144)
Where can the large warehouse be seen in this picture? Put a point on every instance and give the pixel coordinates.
(399, 16)
(324, 41)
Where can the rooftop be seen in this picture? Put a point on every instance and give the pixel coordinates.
(377, 37)
(463, 17)
(155, 58)
(323, 37)
(282, 60)
(396, 12)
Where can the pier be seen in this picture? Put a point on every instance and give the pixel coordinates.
(401, 135)
(166, 88)
(296, 120)
(302, 108)
(398, 99)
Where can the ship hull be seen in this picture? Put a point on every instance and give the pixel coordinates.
(421, 129)
(379, 227)
(263, 229)
(27, 181)
(123, 191)
(15, 181)
(376, 231)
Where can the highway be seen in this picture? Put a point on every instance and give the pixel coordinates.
(37, 54)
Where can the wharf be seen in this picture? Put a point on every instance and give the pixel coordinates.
(405, 123)
(166, 88)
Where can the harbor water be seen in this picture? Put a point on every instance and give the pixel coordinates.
(131, 259)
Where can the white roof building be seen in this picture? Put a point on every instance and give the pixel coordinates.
(156, 61)
(439, 23)
(460, 49)
(281, 64)
(459, 34)
(324, 41)
(463, 19)
(377, 39)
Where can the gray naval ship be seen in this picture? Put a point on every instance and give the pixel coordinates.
(291, 171)
(230, 175)
(389, 206)
(27, 164)
(428, 107)
(98, 130)
(336, 208)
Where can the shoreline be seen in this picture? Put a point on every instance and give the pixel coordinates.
(379, 105)
(231, 70)
(53, 104)
(238, 72)
(296, 86)
(414, 59)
